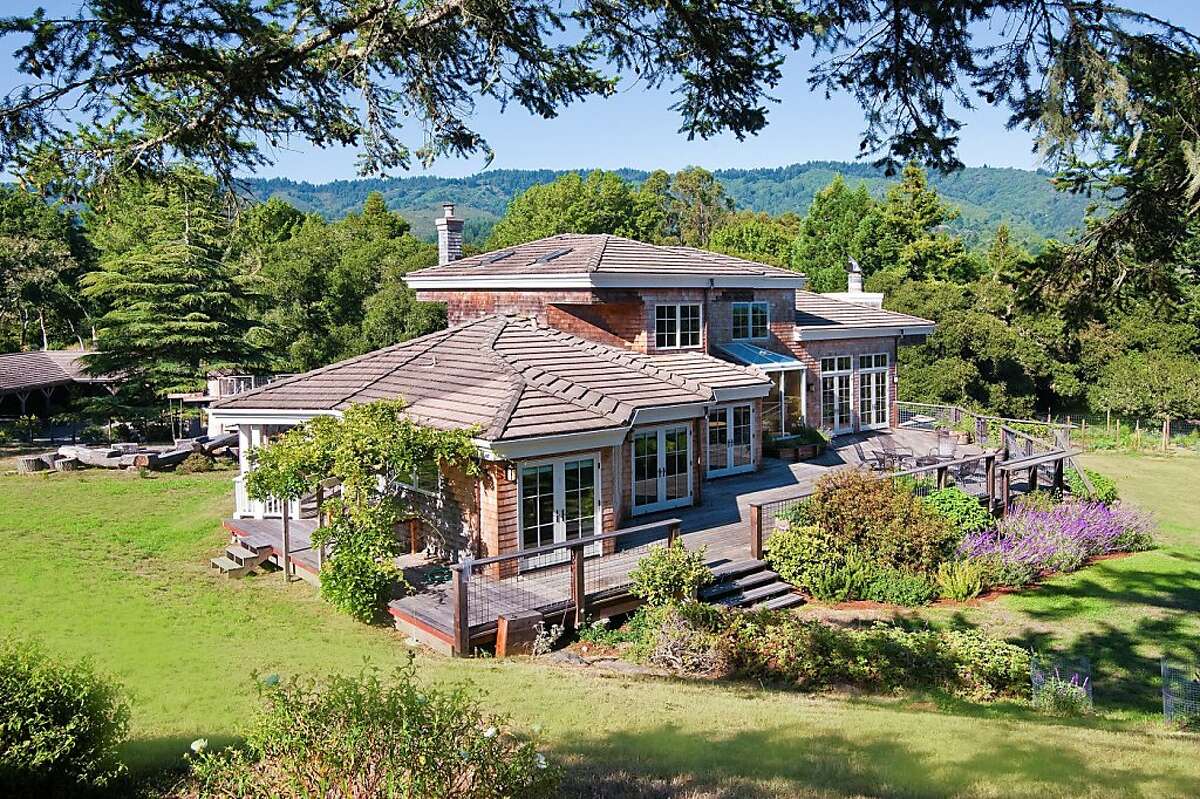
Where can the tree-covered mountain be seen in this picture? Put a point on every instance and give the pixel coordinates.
(987, 196)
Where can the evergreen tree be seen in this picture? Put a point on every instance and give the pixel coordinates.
(175, 308)
(836, 229)
(908, 233)
(757, 237)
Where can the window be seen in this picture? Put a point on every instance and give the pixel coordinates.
(425, 478)
(750, 320)
(676, 326)
(840, 363)
(878, 361)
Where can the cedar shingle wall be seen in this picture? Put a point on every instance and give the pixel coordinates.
(782, 315)
(464, 306)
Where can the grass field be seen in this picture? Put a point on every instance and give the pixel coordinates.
(113, 566)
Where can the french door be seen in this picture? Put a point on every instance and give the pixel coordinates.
(873, 400)
(662, 468)
(730, 440)
(835, 403)
(559, 501)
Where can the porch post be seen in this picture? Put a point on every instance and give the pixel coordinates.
(1058, 475)
(672, 533)
(941, 476)
(287, 540)
(462, 623)
(1005, 489)
(989, 463)
(578, 588)
(756, 536)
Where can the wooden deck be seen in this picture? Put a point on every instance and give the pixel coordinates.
(269, 532)
(720, 524)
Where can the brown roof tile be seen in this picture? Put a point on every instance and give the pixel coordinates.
(818, 311)
(507, 375)
(24, 371)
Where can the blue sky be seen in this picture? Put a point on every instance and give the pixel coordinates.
(636, 129)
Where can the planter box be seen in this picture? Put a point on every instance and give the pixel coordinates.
(807, 451)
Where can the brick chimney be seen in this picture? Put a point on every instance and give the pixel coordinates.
(449, 235)
(854, 289)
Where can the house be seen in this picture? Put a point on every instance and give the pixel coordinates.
(43, 383)
(607, 379)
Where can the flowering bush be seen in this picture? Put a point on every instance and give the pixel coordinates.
(1062, 696)
(1031, 540)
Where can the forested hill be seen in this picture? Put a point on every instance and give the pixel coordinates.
(986, 196)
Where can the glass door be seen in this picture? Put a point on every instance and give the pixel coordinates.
(559, 502)
(730, 440)
(662, 468)
(835, 394)
(873, 391)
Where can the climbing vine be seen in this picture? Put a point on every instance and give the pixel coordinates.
(366, 449)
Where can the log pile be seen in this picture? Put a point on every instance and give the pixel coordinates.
(129, 456)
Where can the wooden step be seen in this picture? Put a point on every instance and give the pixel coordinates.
(228, 567)
(746, 598)
(246, 557)
(737, 568)
(743, 583)
(779, 602)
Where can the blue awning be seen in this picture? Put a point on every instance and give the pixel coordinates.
(764, 359)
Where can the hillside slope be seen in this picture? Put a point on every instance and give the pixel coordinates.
(986, 196)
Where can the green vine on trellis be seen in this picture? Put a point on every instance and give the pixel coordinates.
(368, 442)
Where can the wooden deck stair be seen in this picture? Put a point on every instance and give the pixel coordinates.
(749, 584)
(241, 558)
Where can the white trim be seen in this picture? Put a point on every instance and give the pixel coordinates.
(734, 393)
(833, 332)
(236, 416)
(549, 445)
(887, 389)
(669, 413)
(677, 347)
(591, 280)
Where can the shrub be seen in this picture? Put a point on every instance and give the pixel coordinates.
(195, 463)
(960, 509)
(794, 515)
(357, 584)
(961, 580)
(838, 582)
(701, 640)
(60, 724)
(898, 587)
(670, 574)
(370, 736)
(1060, 696)
(1106, 488)
(862, 512)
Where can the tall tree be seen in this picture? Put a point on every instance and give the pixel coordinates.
(175, 308)
(699, 206)
(42, 254)
(757, 237)
(154, 80)
(601, 202)
(836, 228)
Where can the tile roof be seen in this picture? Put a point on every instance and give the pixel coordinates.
(574, 254)
(814, 311)
(508, 375)
(25, 371)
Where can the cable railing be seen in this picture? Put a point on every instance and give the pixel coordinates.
(569, 580)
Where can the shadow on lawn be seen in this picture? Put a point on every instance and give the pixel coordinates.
(149, 756)
(665, 761)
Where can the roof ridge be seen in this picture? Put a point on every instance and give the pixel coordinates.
(594, 264)
(516, 383)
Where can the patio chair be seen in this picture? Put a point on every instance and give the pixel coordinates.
(898, 455)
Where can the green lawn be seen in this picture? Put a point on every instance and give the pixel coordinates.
(115, 567)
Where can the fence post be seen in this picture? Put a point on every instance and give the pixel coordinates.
(672, 533)
(1005, 490)
(1166, 434)
(578, 589)
(1059, 475)
(756, 539)
(941, 476)
(989, 463)
(1033, 479)
(462, 616)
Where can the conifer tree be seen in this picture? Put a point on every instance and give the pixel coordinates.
(174, 308)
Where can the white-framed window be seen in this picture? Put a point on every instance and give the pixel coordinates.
(837, 363)
(425, 478)
(677, 326)
(751, 320)
(878, 360)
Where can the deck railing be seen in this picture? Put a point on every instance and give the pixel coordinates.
(490, 593)
(987, 430)
(246, 507)
(237, 384)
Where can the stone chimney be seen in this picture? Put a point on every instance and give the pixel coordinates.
(854, 289)
(449, 235)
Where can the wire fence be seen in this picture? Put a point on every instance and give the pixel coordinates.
(1181, 693)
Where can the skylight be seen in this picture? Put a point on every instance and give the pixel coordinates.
(497, 256)
(550, 256)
